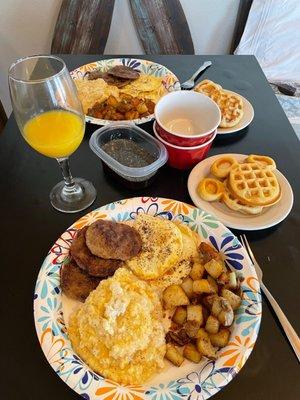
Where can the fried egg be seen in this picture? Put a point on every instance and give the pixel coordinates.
(161, 247)
(175, 275)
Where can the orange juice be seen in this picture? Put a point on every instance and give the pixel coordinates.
(55, 133)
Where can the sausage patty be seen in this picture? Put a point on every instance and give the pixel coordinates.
(89, 262)
(122, 71)
(76, 283)
(108, 239)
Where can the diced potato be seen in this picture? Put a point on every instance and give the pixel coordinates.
(212, 324)
(112, 101)
(223, 279)
(234, 300)
(202, 334)
(216, 306)
(174, 326)
(187, 286)
(205, 313)
(191, 353)
(213, 284)
(226, 317)
(208, 300)
(179, 316)
(197, 271)
(205, 347)
(207, 252)
(221, 338)
(214, 268)
(196, 299)
(142, 108)
(173, 355)
(202, 286)
(192, 328)
(194, 313)
(232, 283)
(180, 337)
(222, 310)
(174, 296)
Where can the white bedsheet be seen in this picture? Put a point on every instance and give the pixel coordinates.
(272, 34)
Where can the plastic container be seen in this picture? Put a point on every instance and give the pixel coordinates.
(131, 177)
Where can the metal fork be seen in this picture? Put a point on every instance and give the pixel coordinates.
(287, 327)
(190, 83)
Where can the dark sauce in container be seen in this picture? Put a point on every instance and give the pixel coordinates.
(129, 154)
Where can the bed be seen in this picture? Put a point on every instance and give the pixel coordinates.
(268, 29)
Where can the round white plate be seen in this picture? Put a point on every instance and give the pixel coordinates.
(270, 216)
(190, 381)
(245, 121)
(169, 80)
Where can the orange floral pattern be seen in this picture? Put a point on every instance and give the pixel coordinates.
(88, 219)
(238, 351)
(176, 207)
(114, 391)
(54, 346)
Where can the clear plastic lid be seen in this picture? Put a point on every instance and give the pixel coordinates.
(129, 131)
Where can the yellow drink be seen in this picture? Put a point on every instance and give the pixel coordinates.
(55, 133)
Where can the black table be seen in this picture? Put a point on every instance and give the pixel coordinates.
(30, 226)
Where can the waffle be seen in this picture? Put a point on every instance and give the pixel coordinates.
(207, 87)
(253, 184)
(221, 167)
(234, 204)
(231, 106)
(210, 189)
(264, 160)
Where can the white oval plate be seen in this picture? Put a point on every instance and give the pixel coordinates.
(190, 381)
(170, 81)
(245, 121)
(270, 216)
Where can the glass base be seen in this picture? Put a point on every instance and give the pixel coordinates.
(75, 198)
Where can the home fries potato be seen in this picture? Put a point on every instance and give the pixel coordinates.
(172, 298)
(120, 93)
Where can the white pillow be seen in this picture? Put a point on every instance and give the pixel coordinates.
(272, 34)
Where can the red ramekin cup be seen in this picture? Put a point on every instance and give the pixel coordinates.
(186, 118)
(184, 157)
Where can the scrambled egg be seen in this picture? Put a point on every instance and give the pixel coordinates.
(119, 331)
(161, 248)
(91, 92)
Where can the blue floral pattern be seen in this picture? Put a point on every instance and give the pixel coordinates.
(229, 248)
(200, 381)
(201, 385)
(164, 392)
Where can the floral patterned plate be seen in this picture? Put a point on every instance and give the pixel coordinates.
(190, 381)
(170, 81)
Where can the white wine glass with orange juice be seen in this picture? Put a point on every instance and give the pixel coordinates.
(51, 120)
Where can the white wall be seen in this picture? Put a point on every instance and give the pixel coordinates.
(26, 27)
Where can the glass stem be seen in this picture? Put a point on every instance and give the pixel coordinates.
(68, 178)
